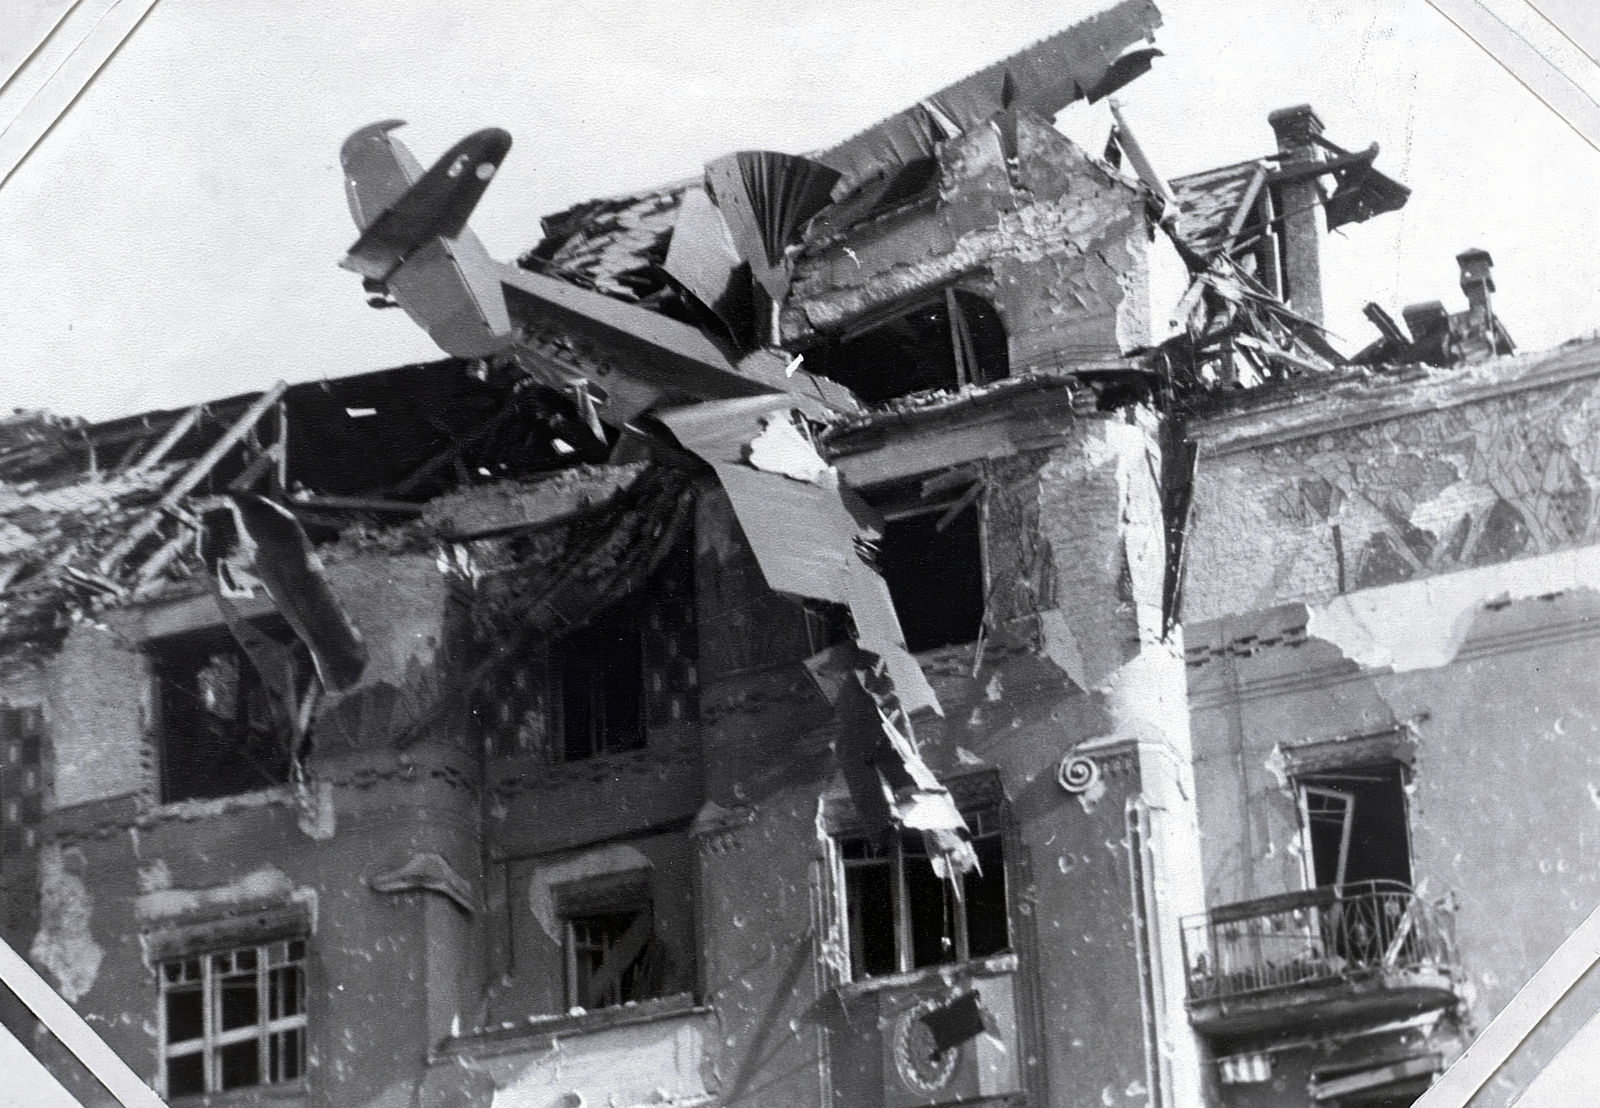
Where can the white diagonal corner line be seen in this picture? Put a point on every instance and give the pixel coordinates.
(1537, 54)
(1516, 1021)
(71, 77)
(1584, 35)
(29, 31)
(28, 1083)
(75, 1034)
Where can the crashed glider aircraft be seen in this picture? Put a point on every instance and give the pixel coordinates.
(715, 389)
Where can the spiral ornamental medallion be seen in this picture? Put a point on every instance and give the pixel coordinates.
(921, 1069)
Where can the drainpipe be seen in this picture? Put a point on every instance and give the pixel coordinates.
(1299, 204)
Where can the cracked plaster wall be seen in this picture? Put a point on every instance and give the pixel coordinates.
(767, 756)
(1053, 239)
(1437, 565)
(386, 972)
(1504, 801)
(1429, 493)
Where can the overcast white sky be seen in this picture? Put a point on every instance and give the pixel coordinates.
(175, 237)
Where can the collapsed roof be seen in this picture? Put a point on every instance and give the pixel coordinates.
(715, 329)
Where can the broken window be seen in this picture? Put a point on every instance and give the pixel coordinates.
(932, 559)
(603, 686)
(613, 955)
(599, 670)
(1355, 824)
(900, 915)
(953, 340)
(233, 1019)
(220, 730)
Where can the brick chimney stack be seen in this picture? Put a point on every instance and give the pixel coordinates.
(1299, 206)
(1477, 281)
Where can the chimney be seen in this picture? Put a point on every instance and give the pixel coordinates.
(1477, 281)
(1299, 206)
(1477, 332)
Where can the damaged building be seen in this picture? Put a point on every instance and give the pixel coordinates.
(838, 630)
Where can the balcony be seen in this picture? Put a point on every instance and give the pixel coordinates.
(1322, 959)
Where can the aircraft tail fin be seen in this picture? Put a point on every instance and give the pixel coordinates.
(414, 238)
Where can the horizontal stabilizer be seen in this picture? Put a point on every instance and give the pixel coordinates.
(414, 236)
(435, 205)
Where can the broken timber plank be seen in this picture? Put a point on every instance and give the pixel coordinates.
(258, 465)
(174, 433)
(357, 504)
(494, 509)
(192, 477)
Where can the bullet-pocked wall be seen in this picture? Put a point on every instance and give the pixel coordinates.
(1422, 639)
(774, 912)
(365, 884)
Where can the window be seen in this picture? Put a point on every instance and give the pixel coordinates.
(1355, 823)
(932, 560)
(901, 916)
(600, 670)
(605, 686)
(953, 340)
(21, 798)
(612, 952)
(221, 732)
(234, 1019)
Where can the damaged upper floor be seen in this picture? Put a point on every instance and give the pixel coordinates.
(958, 243)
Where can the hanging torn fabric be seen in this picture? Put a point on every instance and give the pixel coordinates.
(294, 579)
(890, 785)
(806, 526)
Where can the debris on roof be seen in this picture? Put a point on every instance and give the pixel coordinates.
(1085, 61)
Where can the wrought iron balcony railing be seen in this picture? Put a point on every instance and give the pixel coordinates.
(1336, 933)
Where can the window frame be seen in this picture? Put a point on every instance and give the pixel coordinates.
(587, 902)
(176, 665)
(989, 822)
(627, 618)
(173, 974)
(966, 504)
(1323, 782)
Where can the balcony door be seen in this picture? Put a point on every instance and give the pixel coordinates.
(1355, 825)
(1359, 844)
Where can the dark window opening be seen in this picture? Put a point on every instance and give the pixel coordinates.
(901, 916)
(1355, 821)
(613, 954)
(946, 343)
(603, 687)
(221, 731)
(933, 563)
(600, 670)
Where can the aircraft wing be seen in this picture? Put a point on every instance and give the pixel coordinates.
(415, 244)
